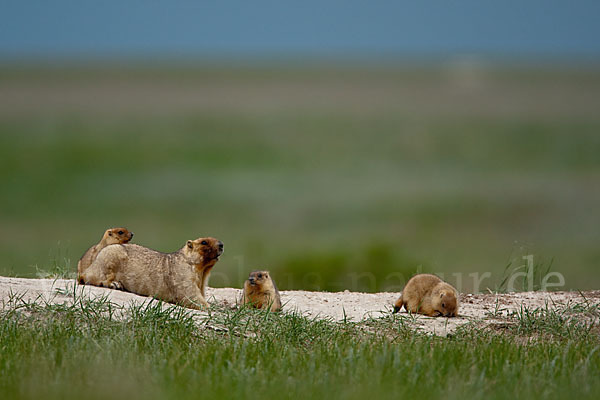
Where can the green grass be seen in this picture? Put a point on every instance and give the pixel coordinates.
(88, 350)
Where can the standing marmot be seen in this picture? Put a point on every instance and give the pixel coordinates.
(178, 277)
(111, 236)
(261, 292)
(427, 294)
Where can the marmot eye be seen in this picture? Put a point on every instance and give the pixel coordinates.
(444, 305)
(204, 242)
(120, 232)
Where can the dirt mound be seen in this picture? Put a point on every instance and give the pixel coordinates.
(349, 306)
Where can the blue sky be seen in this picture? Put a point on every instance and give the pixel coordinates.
(323, 28)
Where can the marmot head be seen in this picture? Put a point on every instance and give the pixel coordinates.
(398, 305)
(445, 303)
(117, 236)
(259, 278)
(203, 250)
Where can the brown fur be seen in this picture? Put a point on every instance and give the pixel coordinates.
(178, 277)
(260, 291)
(111, 236)
(427, 294)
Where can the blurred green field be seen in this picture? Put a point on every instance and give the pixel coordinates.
(333, 178)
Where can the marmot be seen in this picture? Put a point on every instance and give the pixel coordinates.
(260, 291)
(178, 277)
(427, 294)
(111, 236)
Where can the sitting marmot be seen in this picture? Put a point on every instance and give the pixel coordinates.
(260, 291)
(111, 236)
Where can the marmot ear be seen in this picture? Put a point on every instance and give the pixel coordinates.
(190, 244)
(442, 294)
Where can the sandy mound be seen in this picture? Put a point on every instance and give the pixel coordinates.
(475, 308)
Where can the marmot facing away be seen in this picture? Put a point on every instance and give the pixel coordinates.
(111, 236)
(178, 277)
(260, 291)
(427, 294)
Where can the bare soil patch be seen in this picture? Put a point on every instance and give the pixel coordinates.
(482, 309)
